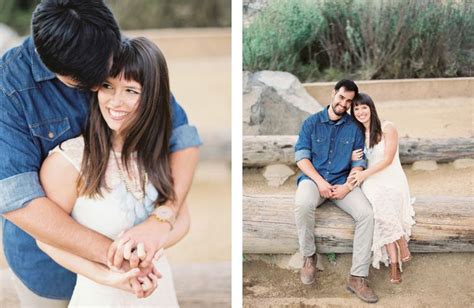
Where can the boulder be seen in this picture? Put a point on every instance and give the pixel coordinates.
(425, 165)
(275, 103)
(463, 163)
(276, 175)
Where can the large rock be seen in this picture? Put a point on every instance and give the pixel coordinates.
(275, 103)
(8, 38)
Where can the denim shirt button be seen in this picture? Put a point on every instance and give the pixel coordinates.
(51, 135)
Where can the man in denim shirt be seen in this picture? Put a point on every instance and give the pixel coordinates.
(323, 153)
(44, 100)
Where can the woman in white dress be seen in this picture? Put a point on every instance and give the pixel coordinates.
(385, 185)
(116, 175)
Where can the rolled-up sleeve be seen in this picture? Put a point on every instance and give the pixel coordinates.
(359, 144)
(20, 158)
(303, 144)
(183, 135)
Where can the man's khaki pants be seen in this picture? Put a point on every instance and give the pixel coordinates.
(307, 199)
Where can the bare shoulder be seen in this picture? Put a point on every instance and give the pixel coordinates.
(389, 127)
(59, 177)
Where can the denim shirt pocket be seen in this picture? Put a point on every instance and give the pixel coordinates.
(319, 147)
(344, 148)
(50, 130)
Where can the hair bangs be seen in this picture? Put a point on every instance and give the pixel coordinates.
(127, 64)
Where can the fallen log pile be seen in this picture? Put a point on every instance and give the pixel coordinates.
(260, 151)
(444, 224)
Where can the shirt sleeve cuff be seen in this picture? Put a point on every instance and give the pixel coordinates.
(359, 163)
(302, 154)
(18, 190)
(184, 136)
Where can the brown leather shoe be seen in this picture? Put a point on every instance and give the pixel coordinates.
(361, 289)
(308, 271)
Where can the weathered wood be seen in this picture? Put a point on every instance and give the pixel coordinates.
(260, 151)
(444, 224)
(203, 284)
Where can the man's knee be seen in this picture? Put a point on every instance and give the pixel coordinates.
(304, 205)
(306, 197)
(367, 215)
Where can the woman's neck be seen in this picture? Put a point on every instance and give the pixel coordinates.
(367, 126)
(117, 143)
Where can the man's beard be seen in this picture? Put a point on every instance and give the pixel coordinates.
(338, 113)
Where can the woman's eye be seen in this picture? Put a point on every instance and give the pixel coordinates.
(106, 86)
(132, 91)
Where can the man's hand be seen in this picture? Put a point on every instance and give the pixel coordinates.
(340, 191)
(151, 233)
(325, 189)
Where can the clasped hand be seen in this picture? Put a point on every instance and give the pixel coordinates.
(329, 191)
(134, 253)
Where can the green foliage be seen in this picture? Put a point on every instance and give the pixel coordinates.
(363, 39)
(331, 257)
(135, 14)
(279, 39)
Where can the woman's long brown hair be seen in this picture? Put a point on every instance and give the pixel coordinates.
(375, 126)
(147, 133)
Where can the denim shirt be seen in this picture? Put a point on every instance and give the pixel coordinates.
(38, 112)
(329, 145)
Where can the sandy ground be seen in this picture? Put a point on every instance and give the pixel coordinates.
(430, 280)
(202, 86)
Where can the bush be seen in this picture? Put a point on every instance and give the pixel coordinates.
(277, 38)
(363, 39)
(135, 14)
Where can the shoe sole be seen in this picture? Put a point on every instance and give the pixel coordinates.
(308, 283)
(365, 300)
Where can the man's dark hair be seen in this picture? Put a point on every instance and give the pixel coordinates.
(347, 84)
(76, 38)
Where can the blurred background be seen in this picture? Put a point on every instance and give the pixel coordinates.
(195, 38)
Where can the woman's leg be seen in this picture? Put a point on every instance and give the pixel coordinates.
(405, 254)
(393, 253)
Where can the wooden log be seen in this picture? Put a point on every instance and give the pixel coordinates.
(203, 284)
(444, 224)
(260, 151)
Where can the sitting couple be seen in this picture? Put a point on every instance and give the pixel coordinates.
(331, 151)
(104, 204)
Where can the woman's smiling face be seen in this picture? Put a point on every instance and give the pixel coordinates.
(362, 113)
(118, 100)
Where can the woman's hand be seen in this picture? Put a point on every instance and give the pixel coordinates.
(140, 282)
(357, 154)
(357, 177)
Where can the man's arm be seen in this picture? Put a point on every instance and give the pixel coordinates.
(303, 158)
(22, 199)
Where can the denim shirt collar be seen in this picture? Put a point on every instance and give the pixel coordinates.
(39, 70)
(325, 117)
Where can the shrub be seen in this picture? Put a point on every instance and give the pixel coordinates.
(363, 39)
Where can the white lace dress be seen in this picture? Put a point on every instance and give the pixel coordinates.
(117, 211)
(389, 194)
